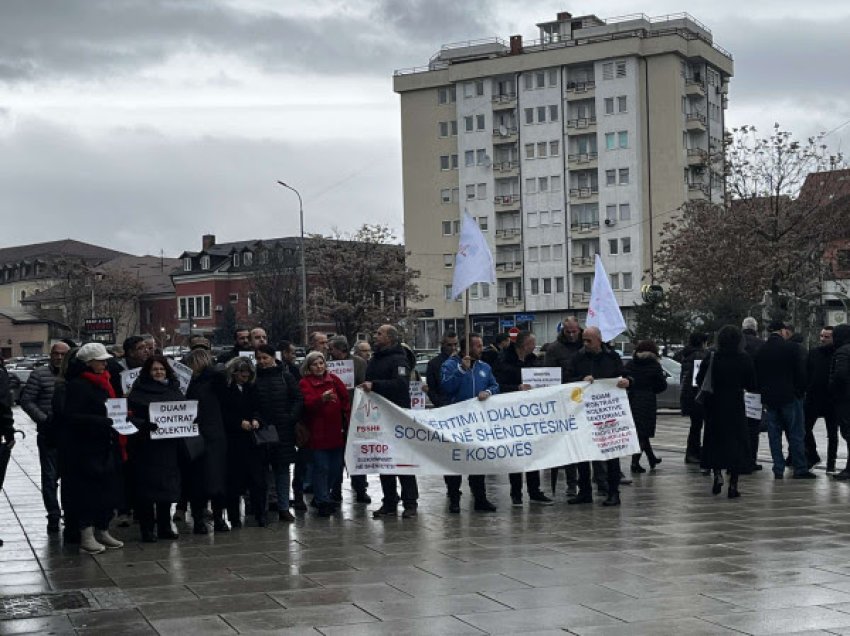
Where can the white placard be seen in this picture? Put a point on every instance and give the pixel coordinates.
(417, 395)
(116, 410)
(128, 377)
(344, 369)
(183, 373)
(697, 364)
(248, 354)
(752, 404)
(174, 419)
(538, 377)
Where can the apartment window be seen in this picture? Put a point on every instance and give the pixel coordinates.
(621, 69)
(552, 75)
(533, 254)
(448, 260)
(446, 195)
(529, 115)
(482, 190)
(529, 151)
(456, 226)
(557, 217)
(553, 113)
(205, 262)
(532, 219)
(453, 126)
(623, 138)
(187, 266)
(528, 81)
(541, 114)
(455, 195)
(444, 162)
(467, 123)
(613, 247)
(545, 253)
(194, 307)
(444, 128)
(479, 88)
(554, 148)
(479, 122)
(473, 291)
(485, 290)
(530, 186)
(610, 142)
(626, 245)
(586, 284)
(535, 286)
(559, 284)
(483, 223)
(610, 212)
(621, 104)
(446, 95)
(470, 192)
(543, 184)
(468, 89)
(469, 158)
(544, 218)
(248, 259)
(447, 292)
(610, 177)
(608, 70)
(609, 105)
(447, 228)
(481, 156)
(233, 298)
(236, 260)
(264, 258)
(454, 162)
(627, 280)
(625, 212)
(558, 252)
(624, 176)
(540, 80)
(541, 149)
(615, 281)
(547, 285)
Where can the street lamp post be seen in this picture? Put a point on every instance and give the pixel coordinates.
(303, 265)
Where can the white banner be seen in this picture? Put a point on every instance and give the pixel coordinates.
(183, 373)
(344, 370)
(128, 377)
(508, 433)
(537, 377)
(116, 410)
(174, 419)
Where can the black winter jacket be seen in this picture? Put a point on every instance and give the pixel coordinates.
(780, 371)
(389, 372)
(508, 371)
(605, 364)
(817, 369)
(280, 403)
(207, 388)
(561, 353)
(432, 379)
(37, 399)
(686, 378)
(647, 380)
(839, 376)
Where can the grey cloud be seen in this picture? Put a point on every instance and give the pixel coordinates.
(141, 192)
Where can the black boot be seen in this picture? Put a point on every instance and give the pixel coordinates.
(613, 499)
(717, 486)
(454, 504)
(148, 535)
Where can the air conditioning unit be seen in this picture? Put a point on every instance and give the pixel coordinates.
(610, 222)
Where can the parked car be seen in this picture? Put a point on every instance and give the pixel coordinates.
(17, 379)
(669, 399)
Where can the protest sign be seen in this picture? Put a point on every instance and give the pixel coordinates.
(538, 377)
(116, 410)
(344, 370)
(697, 364)
(174, 419)
(752, 405)
(417, 395)
(183, 373)
(248, 354)
(512, 432)
(128, 377)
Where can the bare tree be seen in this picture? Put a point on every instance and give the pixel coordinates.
(275, 292)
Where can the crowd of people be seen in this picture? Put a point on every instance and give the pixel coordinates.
(271, 430)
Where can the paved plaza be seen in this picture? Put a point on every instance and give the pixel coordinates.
(673, 559)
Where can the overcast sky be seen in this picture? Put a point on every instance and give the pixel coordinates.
(142, 124)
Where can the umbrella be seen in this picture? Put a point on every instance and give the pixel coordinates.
(6, 455)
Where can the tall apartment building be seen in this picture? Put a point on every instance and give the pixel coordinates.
(582, 142)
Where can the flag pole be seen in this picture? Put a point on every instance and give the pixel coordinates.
(466, 319)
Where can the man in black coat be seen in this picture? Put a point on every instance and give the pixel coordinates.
(448, 347)
(818, 402)
(508, 373)
(839, 388)
(596, 360)
(781, 374)
(491, 353)
(241, 342)
(388, 375)
(691, 355)
(752, 344)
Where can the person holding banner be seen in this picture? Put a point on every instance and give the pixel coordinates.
(155, 468)
(508, 372)
(448, 348)
(326, 412)
(465, 377)
(596, 361)
(647, 380)
(95, 452)
(388, 375)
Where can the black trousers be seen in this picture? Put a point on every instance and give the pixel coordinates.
(755, 432)
(532, 483)
(812, 413)
(409, 490)
(302, 460)
(476, 486)
(695, 433)
(147, 516)
(612, 467)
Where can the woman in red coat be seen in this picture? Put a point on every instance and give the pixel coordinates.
(326, 410)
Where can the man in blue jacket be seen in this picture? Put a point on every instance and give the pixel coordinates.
(463, 377)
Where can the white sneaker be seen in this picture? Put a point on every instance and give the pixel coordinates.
(88, 543)
(108, 541)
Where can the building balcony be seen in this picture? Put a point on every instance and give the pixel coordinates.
(580, 298)
(694, 87)
(581, 90)
(505, 134)
(510, 269)
(583, 124)
(697, 157)
(584, 193)
(504, 102)
(695, 121)
(506, 202)
(585, 227)
(509, 301)
(698, 191)
(583, 160)
(508, 236)
(506, 168)
(582, 262)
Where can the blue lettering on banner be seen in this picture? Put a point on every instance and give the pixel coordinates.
(519, 449)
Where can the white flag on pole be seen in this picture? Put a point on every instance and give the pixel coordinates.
(604, 311)
(474, 262)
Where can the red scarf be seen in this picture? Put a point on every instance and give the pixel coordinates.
(101, 381)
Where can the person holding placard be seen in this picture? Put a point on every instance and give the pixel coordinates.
(648, 380)
(95, 453)
(691, 358)
(155, 467)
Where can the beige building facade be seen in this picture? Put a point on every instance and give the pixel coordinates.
(582, 142)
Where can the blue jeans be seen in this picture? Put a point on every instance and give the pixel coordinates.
(327, 464)
(788, 417)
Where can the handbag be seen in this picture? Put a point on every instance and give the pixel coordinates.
(302, 435)
(706, 389)
(265, 435)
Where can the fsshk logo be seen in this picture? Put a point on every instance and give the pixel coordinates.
(367, 410)
(467, 251)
